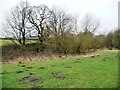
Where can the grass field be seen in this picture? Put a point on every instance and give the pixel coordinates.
(99, 71)
(9, 42)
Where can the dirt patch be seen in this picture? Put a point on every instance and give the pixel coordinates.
(57, 75)
(30, 80)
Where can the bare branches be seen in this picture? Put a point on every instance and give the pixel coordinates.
(54, 26)
(90, 24)
(17, 22)
(38, 17)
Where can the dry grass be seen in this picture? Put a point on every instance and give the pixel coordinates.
(47, 57)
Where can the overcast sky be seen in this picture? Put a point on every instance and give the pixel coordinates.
(105, 10)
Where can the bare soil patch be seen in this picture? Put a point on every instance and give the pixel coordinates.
(30, 80)
(57, 75)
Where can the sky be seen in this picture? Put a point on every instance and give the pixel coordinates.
(105, 10)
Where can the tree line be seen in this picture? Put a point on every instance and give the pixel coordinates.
(57, 30)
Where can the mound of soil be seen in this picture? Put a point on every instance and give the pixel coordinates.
(30, 80)
(57, 75)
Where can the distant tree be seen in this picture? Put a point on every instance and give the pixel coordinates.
(16, 23)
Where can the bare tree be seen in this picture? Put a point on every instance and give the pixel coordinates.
(60, 23)
(38, 16)
(89, 26)
(16, 25)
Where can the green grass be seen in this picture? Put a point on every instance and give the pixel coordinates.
(84, 72)
(9, 42)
